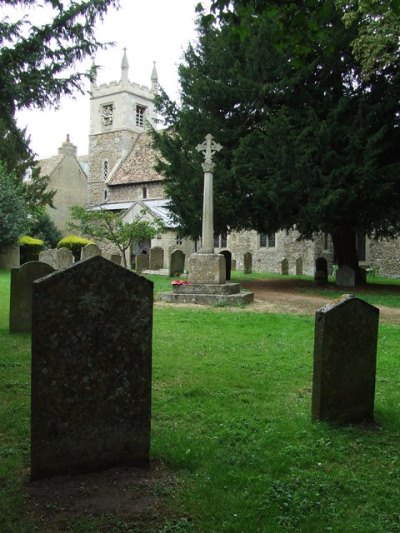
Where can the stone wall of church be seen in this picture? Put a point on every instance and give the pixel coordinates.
(385, 256)
(265, 259)
(71, 186)
(112, 147)
(134, 191)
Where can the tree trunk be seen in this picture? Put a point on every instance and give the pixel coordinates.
(345, 249)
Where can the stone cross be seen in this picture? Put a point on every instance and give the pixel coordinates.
(209, 147)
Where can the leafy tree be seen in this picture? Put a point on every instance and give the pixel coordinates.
(307, 140)
(13, 212)
(42, 227)
(107, 226)
(38, 66)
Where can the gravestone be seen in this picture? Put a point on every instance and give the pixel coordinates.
(116, 258)
(321, 271)
(89, 251)
(284, 267)
(50, 257)
(21, 294)
(233, 264)
(142, 263)
(299, 266)
(91, 369)
(177, 263)
(10, 257)
(156, 260)
(65, 258)
(247, 263)
(228, 263)
(345, 345)
(345, 277)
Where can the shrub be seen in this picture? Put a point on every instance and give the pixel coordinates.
(75, 244)
(30, 248)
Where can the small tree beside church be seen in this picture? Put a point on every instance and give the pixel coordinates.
(108, 226)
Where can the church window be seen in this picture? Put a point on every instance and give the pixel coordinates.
(271, 240)
(140, 112)
(107, 114)
(263, 240)
(105, 169)
(105, 194)
(178, 240)
(144, 192)
(224, 240)
(216, 241)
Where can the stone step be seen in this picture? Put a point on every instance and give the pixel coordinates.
(207, 299)
(207, 288)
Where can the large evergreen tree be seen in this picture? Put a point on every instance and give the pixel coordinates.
(308, 141)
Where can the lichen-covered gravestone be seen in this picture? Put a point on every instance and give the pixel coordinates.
(247, 263)
(89, 251)
(91, 369)
(21, 294)
(345, 346)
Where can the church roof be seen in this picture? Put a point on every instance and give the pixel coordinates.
(138, 166)
(47, 166)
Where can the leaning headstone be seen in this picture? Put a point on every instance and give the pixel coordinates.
(247, 263)
(345, 277)
(345, 345)
(142, 263)
(284, 267)
(299, 266)
(91, 369)
(65, 258)
(321, 271)
(156, 258)
(177, 263)
(21, 294)
(89, 251)
(50, 257)
(116, 258)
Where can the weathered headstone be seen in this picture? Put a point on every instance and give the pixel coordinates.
(116, 258)
(345, 277)
(299, 266)
(284, 267)
(156, 258)
(91, 369)
(50, 257)
(345, 361)
(142, 263)
(21, 294)
(177, 263)
(233, 264)
(10, 257)
(228, 263)
(247, 263)
(89, 251)
(321, 271)
(65, 258)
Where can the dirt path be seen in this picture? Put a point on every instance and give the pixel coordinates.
(290, 296)
(285, 296)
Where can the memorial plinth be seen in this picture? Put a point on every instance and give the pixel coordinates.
(207, 270)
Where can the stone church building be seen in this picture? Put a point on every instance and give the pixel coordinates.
(121, 177)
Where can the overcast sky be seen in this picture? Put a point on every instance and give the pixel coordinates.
(151, 30)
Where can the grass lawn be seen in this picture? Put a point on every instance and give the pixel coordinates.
(231, 420)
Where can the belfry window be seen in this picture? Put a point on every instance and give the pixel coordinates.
(107, 114)
(140, 113)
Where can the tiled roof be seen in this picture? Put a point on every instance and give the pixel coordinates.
(47, 166)
(138, 166)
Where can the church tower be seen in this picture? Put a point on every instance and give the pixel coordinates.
(119, 112)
